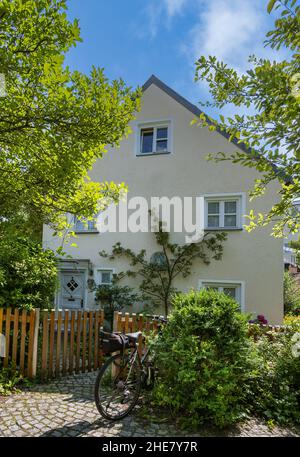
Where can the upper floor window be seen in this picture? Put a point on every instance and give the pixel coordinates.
(84, 225)
(223, 212)
(154, 138)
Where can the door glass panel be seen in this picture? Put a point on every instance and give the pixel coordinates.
(72, 284)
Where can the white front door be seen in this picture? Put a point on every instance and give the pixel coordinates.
(72, 289)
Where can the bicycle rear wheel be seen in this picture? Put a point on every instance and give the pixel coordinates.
(117, 387)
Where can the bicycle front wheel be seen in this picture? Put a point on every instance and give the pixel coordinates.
(117, 387)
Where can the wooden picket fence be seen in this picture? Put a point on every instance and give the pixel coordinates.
(131, 322)
(21, 330)
(57, 343)
(51, 344)
(70, 342)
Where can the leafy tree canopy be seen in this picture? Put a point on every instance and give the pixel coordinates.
(270, 90)
(54, 122)
(28, 274)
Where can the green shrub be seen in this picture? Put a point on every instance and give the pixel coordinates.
(28, 274)
(9, 379)
(113, 297)
(204, 359)
(273, 390)
(291, 295)
(292, 320)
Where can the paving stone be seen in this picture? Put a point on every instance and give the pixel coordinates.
(66, 408)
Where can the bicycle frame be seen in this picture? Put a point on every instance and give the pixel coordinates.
(136, 356)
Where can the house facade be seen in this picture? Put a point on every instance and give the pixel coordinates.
(166, 156)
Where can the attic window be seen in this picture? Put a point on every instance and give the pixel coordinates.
(154, 139)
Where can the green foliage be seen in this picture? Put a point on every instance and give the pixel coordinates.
(28, 274)
(292, 320)
(54, 123)
(273, 390)
(203, 358)
(270, 90)
(9, 379)
(295, 245)
(291, 294)
(114, 297)
(159, 272)
(213, 368)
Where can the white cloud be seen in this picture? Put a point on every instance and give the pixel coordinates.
(174, 7)
(160, 13)
(153, 13)
(229, 30)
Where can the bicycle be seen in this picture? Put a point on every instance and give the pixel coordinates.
(119, 381)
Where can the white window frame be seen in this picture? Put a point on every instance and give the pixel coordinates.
(240, 198)
(154, 124)
(221, 283)
(99, 276)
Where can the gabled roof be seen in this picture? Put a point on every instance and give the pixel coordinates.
(189, 106)
(196, 111)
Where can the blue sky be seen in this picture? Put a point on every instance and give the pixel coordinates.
(134, 38)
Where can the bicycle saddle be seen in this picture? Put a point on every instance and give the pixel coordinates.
(133, 337)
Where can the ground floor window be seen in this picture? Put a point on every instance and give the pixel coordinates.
(105, 276)
(232, 289)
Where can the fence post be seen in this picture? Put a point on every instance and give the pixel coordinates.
(45, 335)
(115, 323)
(35, 343)
(114, 369)
(7, 336)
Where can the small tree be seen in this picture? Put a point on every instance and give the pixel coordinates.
(173, 260)
(114, 297)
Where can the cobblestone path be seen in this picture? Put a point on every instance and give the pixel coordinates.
(66, 408)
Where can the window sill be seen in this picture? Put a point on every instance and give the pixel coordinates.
(223, 229)
(141, 154)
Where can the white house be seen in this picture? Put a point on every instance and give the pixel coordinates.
(166, 156)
